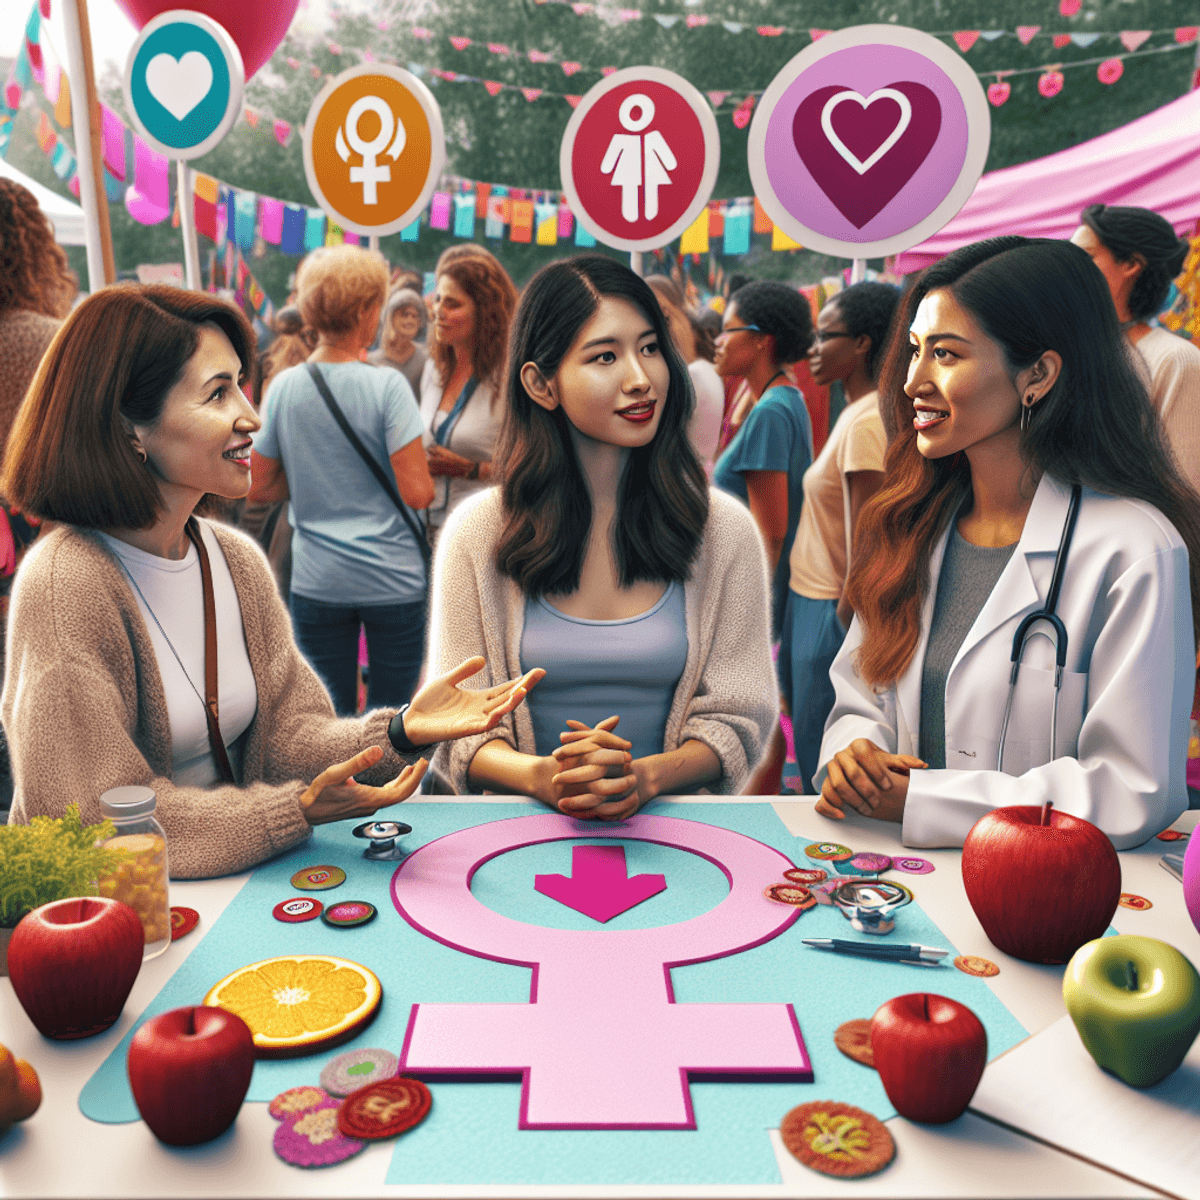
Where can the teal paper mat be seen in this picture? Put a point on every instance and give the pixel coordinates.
(471, 1136)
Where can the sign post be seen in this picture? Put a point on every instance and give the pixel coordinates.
(184, 82)
(869, 141)
(88, 147)
(639, 159)
(374, 147)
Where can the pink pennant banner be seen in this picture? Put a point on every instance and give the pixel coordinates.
(460, 43)
(283, 132)
(964, 39)
(716, 99)
(569, 68)
(1068, 8)
(771, 30)
(818, 34)
(540, 56)
(1061, 40)
(629, 14)
(696, 20)
(494, 88)
(743, 112)
(113, 135)
(606, 71)
(419, 31)
(1131, 39)
(582, 10)
(334, 48)
(270, 216)
(573, 101)
(1187, 33)
(292, 62)
(499, 48)
(1026, 33)
(150, 175)
(531, 94)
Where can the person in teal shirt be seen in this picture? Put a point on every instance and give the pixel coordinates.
(767, 325)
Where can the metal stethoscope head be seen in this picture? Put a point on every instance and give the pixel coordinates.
(1047, 614)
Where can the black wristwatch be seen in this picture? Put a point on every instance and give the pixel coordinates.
(396, 735)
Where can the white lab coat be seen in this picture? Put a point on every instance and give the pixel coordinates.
(1126, 697)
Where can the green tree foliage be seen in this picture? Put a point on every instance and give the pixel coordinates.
(507, 139)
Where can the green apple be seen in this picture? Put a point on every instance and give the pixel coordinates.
(1136, 1004)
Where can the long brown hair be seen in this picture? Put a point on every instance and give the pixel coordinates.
(662, 497)
(112, 364)
(34, 275)
(495, 298)
(1095, 427)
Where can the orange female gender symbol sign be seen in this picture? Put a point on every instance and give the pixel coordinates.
(374, 148)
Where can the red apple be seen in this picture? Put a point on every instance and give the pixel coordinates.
(930, 1052)
(189, 1070)
(73, 963)
(1041, 882)
(257, 28)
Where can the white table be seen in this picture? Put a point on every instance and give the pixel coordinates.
(60, 1153)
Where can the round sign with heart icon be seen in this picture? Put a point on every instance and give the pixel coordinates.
(869, 141)
(183, 84)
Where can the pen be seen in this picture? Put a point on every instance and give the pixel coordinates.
(913, 954)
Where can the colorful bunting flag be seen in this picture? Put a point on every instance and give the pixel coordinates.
(521, 227)
(314, 229)
(292, 238)
(546, 218)
(695, 236)
(737, 229)
(245, 208)
(439, 211)
(464, 214)
(410, 233)
(270, 215)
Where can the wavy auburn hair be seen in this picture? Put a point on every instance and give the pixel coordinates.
(662, 496)
(34, 275)
(1094, 427)
(480, 275)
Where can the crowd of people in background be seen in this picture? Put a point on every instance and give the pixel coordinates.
(382, 409)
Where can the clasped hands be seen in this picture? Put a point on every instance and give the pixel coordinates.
(592, 776)
(441, 711)
(867, 779)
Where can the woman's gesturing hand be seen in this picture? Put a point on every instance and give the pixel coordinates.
(595, 780)
(867, 779)
(442, 710)
(335, 795)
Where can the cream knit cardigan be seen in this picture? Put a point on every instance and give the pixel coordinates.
(84, 708)
(726, 697)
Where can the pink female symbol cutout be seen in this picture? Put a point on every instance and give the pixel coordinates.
(602, 1043)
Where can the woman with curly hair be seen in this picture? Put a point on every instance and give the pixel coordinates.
(36, 291)
(461, 386)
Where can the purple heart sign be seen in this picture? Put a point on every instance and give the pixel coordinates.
(869, 141)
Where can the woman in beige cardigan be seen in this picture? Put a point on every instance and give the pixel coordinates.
(117, 616)
(605, 559)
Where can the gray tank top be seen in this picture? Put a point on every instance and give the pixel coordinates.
(597, 668)
(968, 575)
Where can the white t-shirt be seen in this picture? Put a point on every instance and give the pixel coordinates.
(705, 427)
(1173, 363)
(821, 552)
(174, 593)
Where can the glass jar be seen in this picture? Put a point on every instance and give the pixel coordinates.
(141, 879)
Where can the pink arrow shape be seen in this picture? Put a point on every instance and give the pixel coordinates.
(598, 885)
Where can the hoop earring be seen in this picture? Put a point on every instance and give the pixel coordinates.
(142, 455)
(1026, 412)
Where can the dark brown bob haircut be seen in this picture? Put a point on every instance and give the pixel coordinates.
(662, 496)
(110, 366)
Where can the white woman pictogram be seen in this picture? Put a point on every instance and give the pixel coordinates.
(371, 173)
(636, 161)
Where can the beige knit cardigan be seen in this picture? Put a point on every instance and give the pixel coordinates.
(726, 697)
(84, 708)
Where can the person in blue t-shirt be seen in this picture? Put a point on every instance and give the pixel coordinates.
(355, 559)
(766, 326)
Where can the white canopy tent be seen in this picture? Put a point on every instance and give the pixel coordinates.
(65, 215)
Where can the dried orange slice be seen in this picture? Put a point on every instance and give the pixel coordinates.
(300, 1003)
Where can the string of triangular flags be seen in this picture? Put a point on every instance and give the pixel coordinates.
(1109, 69)
(964, 38)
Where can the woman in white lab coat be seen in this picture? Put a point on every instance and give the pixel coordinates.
(1006, 384)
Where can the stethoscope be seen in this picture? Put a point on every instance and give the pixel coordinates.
(1045, 613)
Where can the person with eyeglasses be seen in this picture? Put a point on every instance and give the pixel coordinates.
(768, 325)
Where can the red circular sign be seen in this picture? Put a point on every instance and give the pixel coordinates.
(639, 158)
